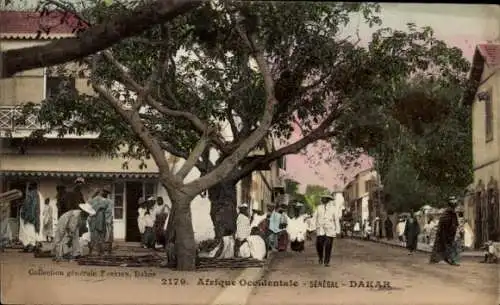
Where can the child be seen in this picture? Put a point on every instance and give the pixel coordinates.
(48, 226)
(140, 219)
(149, 233)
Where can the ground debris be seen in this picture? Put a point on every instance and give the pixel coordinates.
(157, 261)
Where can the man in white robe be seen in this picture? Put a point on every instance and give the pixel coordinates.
(67, 235)
(254, 246)
(242, 227)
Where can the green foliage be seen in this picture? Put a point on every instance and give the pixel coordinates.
(397, 95)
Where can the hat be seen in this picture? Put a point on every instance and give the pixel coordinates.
(452, 199)
(151, 198)
(79, 180)
(106, 189)
(244, 205)
(299, 204)
(327, 196)
(87, 208)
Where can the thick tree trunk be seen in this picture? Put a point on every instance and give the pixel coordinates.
(223, 207)
(180, 234)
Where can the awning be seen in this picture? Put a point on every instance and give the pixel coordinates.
(57, 174)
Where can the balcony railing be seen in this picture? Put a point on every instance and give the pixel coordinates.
(9, 115)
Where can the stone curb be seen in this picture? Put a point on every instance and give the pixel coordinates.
(464, 254)
(239, 295)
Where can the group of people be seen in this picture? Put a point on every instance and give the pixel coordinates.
(152, 222)
(281, 227)
(62, 222)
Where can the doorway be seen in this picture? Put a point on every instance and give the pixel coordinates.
(133, 193)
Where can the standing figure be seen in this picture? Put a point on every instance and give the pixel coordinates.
(274, 228)
(30, 219)
(444, 247)
(283, 234)
(325, 229)
(101, 223)
(5, 231)
(161, 212)
(377, 227)
(310, 226)
(74, 198)
(367, 229)
(389, 234)
(297, 228)
(141, 211)
(411, 232)
(149, 237)
(242, 228)
(400, 230)
(67, 235)
(48, 219)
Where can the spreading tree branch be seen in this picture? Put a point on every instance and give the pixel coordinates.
(95, 38)
(228, 164)
(193, 158)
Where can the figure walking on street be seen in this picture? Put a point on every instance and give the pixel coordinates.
(325, 229)
(297, 228)
(31, 219)
(400, 228)
(445, 246)
(412, 230)
(389, 234)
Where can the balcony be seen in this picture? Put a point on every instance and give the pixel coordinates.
(8, 116)
(10, 128)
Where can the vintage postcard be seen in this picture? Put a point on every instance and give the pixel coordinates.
(249, 152)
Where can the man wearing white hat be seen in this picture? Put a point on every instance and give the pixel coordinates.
(67, 235)
(242, 226)
(326, 229)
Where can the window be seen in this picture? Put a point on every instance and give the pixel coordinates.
(282, 163)
(118, 197)
(56, 84)
(488, 117)
(149, 189)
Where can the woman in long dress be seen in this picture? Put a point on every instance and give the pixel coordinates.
(444, 247)
(283, 237)
(297, 228)
(30, 231)
(411, 232)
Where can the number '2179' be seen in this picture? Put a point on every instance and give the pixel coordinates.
(173, 282)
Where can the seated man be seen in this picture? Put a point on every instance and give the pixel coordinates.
(492, 252)
(254, 246)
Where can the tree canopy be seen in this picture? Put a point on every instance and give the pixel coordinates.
(264, 69)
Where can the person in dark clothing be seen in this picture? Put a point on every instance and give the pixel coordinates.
(389, 231)
(444, 246)
(60, 194)
(412, 230)
(74, 198)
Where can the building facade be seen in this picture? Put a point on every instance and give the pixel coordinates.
(482, 205)
(357, 194)
(56, 162)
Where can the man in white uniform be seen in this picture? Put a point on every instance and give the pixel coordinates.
(242, 227)
(326, 229)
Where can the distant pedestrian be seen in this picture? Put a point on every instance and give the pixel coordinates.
(283, 237)
(400, 230)
(141, 211)
(367, 229)
(48, 221)
(149, 238)
(297, 228)
(411, 232)
(326, 229)
(377, 228)
(445, 246)
(243, 228)
(389, 234)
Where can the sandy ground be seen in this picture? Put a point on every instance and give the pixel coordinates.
(102, 285)
(412, 279)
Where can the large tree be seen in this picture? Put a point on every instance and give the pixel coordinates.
(264, 69)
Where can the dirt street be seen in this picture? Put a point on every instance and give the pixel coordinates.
(412, 279)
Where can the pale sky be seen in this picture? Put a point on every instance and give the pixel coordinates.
(462, 26)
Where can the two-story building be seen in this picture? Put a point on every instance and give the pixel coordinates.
(357, 194)
(482, 209)
(55, 162)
